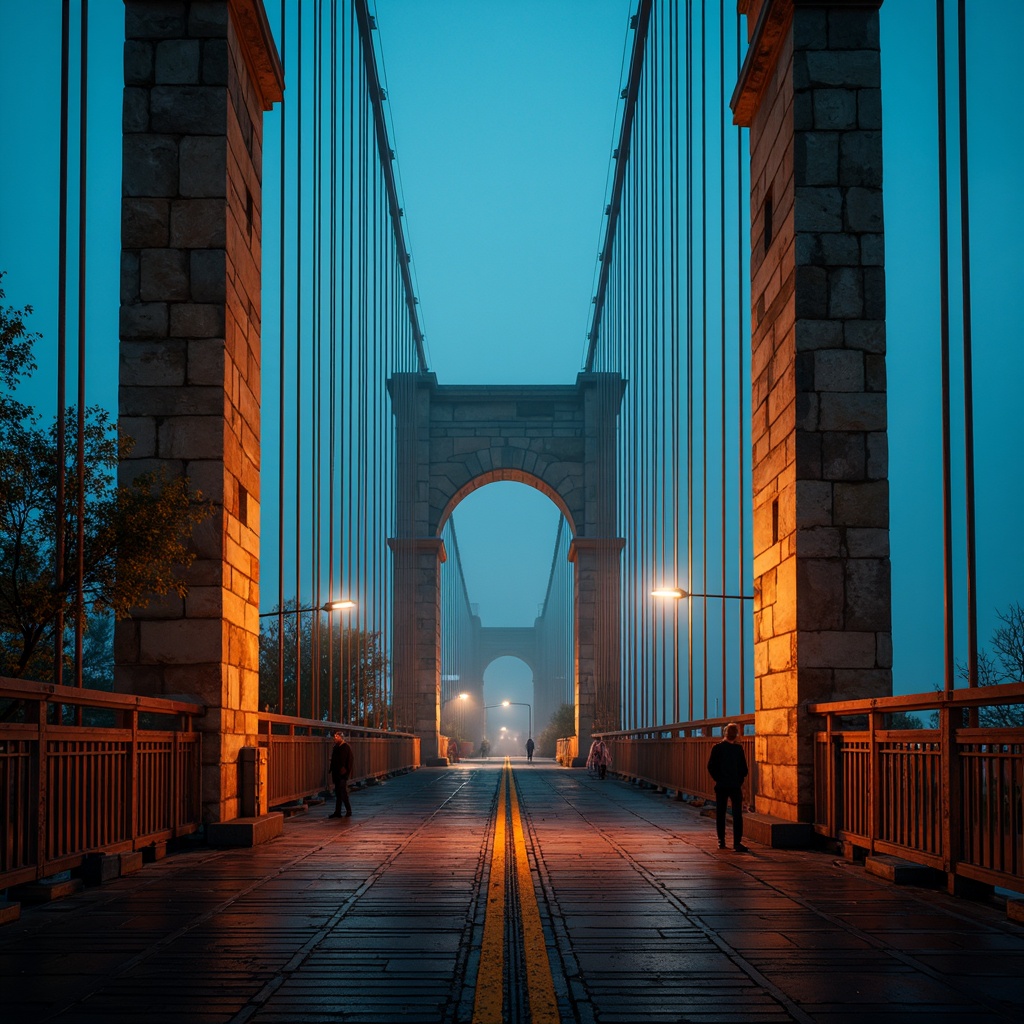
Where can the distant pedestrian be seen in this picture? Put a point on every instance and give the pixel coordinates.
(727, 765)
(599, 757)
(530, 745)
(453, 751)
(341, 772)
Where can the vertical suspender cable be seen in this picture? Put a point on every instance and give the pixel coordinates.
(62, 307)
(949, 659)
(722, 369)
(704, 352)
(689, 350)
(741, 347)
(298, 360)
(332, 362)
(965, 270)
(83, 139)
(282, 172)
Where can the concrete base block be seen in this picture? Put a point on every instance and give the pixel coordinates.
(901, 872)
(777, 833)
(130, 862)
(98, 868)
(1015, 909)
(47, 892)
(153, 852)
(9, 912)
(435, 762)
(288, 810)
(245, 831)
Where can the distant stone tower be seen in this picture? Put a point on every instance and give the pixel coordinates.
(198, 77)
(810, 92)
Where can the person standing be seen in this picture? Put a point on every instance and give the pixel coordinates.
(341, 772)
(599, 757)
(530, 745)
(727, 765)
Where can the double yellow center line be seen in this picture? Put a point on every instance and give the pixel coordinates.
(487, 1006)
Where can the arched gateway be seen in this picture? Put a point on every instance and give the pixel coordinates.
(453, 439)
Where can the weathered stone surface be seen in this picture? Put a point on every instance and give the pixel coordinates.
(149, 165)
(145, 223)
(198, 224)
(203, 166)
(188, 109)
(177, 62)
(163, 275)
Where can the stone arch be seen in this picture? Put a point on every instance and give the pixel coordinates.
(451, 440)
(517, 476)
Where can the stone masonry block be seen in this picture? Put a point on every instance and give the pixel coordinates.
(215, 62)
(145, 223)
(834, 109)
(844, 68)
(811, 292)
(853, 28)
(867, 543)
(142, 431)
(198, 224)
(861, 159)
(869, 108)
(868, 588)
(816, 158)
(842, 411)
(864, 210)
(813, 503)
(129, 276)
(138, 62)
(191, 437)
(135, 111)
(819, 542)
(862, 504)
(817, 209)
(208, 275)
(872, 250)
(866, 335)
(163, 275)
(170, 401)
(177, 62)
(205, 361)
(189, 109)
(144, 320)
(148, 363)
(149, 165)
(878, 456)
(814, 334)
(207, 18)
(874, 293)
(203, 166)
(162, 642)
(838, 370)
(163, 19)
(820, 593)
(197, 320)
(836, 649)
(843, 456)
(845, 293)
(810, 29)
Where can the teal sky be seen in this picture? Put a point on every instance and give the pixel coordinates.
(503, 116)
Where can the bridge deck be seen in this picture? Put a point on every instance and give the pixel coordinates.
(380, 917)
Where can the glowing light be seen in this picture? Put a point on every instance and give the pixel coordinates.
(672, 593)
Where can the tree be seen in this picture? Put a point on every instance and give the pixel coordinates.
(134, 538)
(1004, 665)
(561, 724)
(349, 683)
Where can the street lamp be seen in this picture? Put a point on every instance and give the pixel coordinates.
(678, 594)
(343, 605)
(520, 704)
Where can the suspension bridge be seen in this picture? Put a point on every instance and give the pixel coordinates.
(721, 466)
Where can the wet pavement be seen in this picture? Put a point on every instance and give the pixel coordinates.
(380, 917)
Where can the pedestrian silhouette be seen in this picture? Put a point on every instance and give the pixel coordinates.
(529, 749)
(599, 757)
(727, 765)
(341, 772)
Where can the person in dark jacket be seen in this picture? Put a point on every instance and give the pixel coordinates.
(530, 746)
(727, 765)
(341, 772)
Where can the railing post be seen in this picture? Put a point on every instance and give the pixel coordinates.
(874, 781)
(133, 768)
(42, 787)
(949, 719)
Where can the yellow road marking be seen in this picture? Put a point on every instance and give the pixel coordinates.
(487, 1004)
(540, 985)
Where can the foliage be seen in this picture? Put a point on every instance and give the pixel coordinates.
(351, 676)
(562, 723)
(1004, 665)
(130, 542)
(901, 720)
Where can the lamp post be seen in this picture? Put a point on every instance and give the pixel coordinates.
(340, 605)
(461, 698)
(520, 704)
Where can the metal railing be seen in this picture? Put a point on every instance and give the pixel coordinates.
(948, 797)
(676, 756)
(84, 771)
(299, 751)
